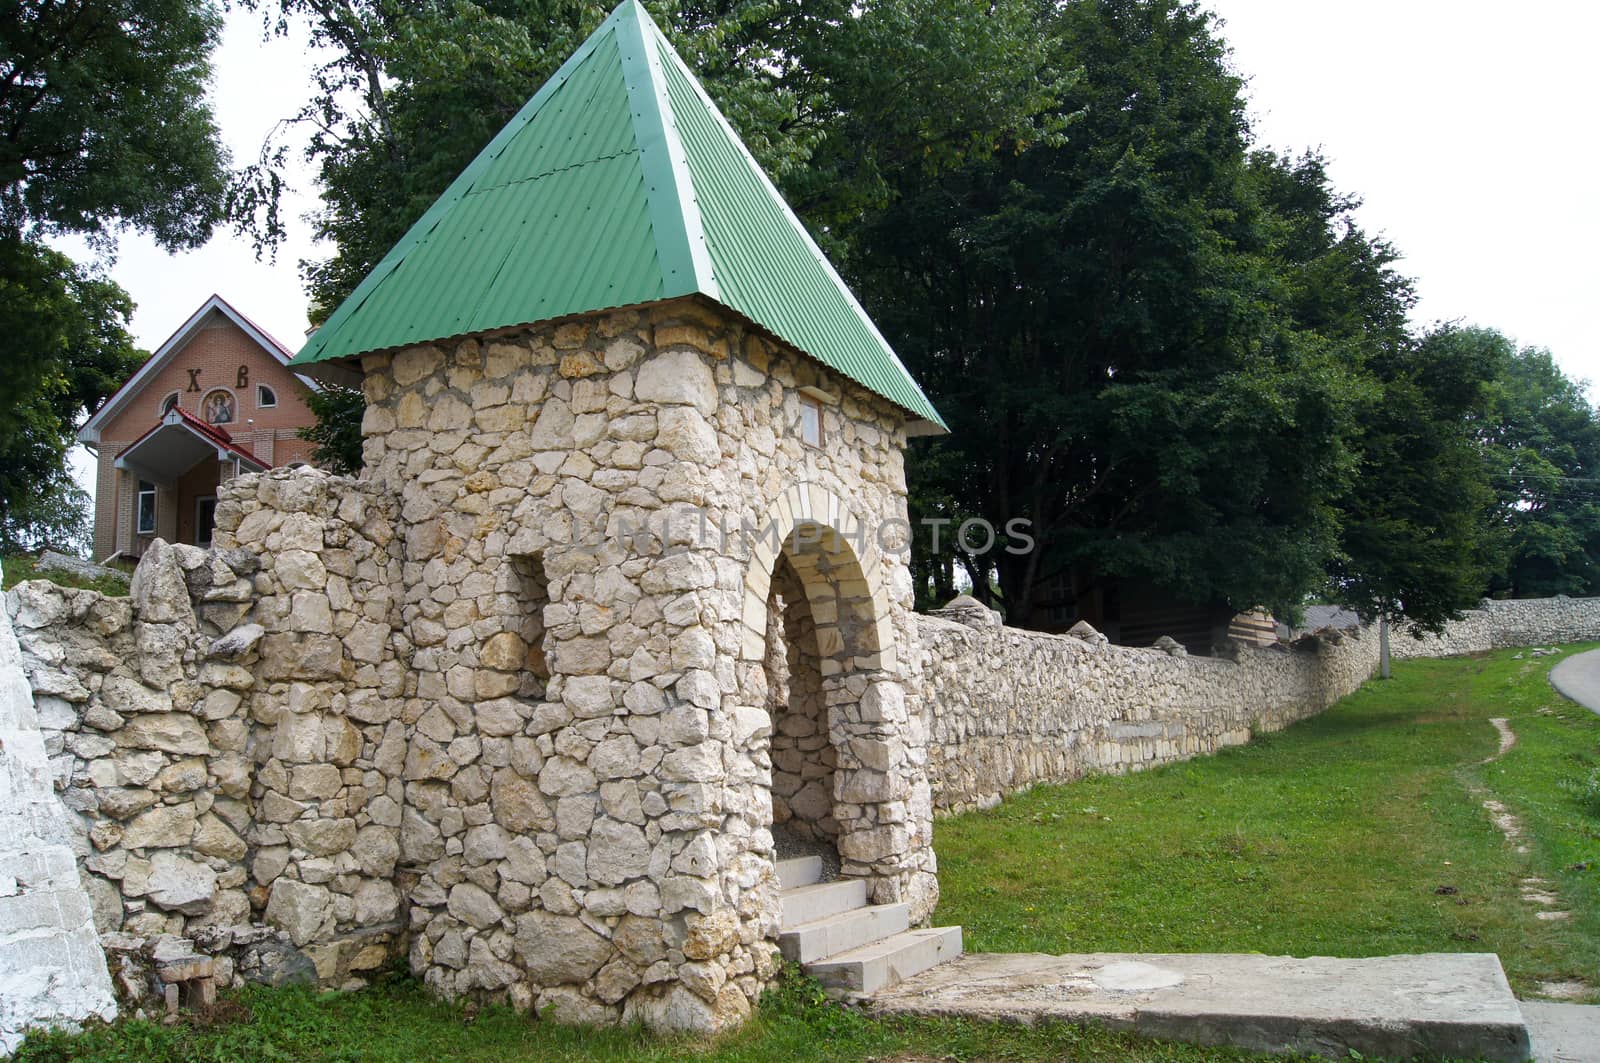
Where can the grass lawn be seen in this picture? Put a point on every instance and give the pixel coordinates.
(399, 1023)
(1358, 833)
(20, 567)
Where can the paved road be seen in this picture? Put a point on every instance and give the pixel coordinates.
(1563, 1033)
(1578, 677)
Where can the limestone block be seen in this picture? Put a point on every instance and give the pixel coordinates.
(128, 696)
(212, 837)
(518, 804)
(298, 908)
(559, 950)
(179, 884)
(158, 591)
(588, 695)
(678, 377)
(322, 837)
(163, 827)
(617, 852)
(473, 905)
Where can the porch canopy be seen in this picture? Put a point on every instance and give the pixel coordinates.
(178, 443)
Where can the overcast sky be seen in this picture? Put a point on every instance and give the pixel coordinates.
(1467, 126)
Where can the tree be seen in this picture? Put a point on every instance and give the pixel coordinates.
(1418, 533)
(1148, 341)
(63, 347)
(105, 119)
(105, 126)
(337, 432)
(1541, 443)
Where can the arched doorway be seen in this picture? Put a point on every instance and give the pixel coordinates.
(817, 623)
(801, 748)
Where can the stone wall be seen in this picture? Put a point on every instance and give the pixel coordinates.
(227, 737)
(1006, 709)
(52, 970)
(1501, 623)
(327, 746)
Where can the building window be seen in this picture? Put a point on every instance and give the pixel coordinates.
(147, 508)
(169, 404)
(218, 407)
(266, 398)
(810, 421)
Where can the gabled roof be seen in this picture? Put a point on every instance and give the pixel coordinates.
(618, 184)
(90, 432)
(177, 442)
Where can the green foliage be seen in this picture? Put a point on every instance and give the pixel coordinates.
(1418, 528)
(22, 567)
(337, 433)
(1541, 442)
(103, 103)
(64, 346)
(1327, 839)
(107, 126)
(1147, 340)
(1587, 790)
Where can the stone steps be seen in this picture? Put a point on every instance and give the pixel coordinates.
(849, 946)
(807, 904)
(888, 962)
(801, 871)
(809, 942)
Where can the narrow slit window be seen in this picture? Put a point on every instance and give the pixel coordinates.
(810, 421)
(266, 398)
(147, 508)
(530, 593)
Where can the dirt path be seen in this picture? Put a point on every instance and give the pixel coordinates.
(1508, 738)
(1536, 892)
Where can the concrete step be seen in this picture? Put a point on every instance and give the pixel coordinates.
(885, 963)
(1436, 1005)
(809, 942)
(801, 871)
(807, 904)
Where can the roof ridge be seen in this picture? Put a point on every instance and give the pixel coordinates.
(674, 212)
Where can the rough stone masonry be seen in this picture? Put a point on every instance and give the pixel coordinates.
(507, 710)
(507, 705)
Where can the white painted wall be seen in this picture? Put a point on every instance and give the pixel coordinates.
(52, 969)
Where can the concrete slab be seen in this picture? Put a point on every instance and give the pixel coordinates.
(1578, 678)
(1456, 1005)
(1563, 1033)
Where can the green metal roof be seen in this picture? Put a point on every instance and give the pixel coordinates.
(619, 183)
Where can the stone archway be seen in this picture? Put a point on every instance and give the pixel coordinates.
(841, 732)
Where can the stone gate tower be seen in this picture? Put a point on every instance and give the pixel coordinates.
(646, 455)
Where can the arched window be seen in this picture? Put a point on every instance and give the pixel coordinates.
(169, 403)
(266, 398)
(219, 407)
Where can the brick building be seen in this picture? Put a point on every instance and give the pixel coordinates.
(213, 401)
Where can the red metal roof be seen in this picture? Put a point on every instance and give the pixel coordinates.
(207, 431)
